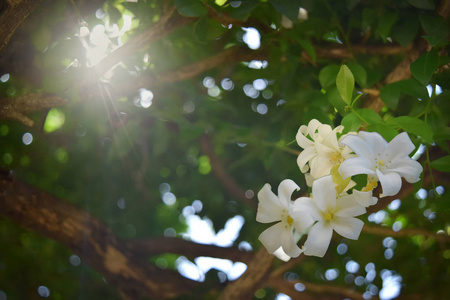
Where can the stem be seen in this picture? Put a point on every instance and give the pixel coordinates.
(286, 149)
(427, 110)
(430, 170)
(358, 115)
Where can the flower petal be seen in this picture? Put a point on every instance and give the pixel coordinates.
(304, 157)
(375, 141)
(324, 193)
(301, 138)
(288, 243)
(321, 166)
(285, 190)
(347, 227)
(281, 254)
(306, 205)
(390, 182)
(400, 146)
(302, 220)
(318, 240)
(347, 206)
(407, 168)
(271, 237)
(360, 146)
(365, 198)
(269, 206)
(355, 166)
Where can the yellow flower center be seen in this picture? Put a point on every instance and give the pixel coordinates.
(381, 162)
(370, 186)
(328, 216)
(290, 220)
(335, 157)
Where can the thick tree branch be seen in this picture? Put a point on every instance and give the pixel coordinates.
(168, 23)
(18, 107)
(12, 14)
(253, 278)
(226, 57)
(88, 238)
(160, 245)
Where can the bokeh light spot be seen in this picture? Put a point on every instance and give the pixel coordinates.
(54, 121)
(352, 266)
(61, 155)
(252, 38)
(74, 260)
(27, 138)
(4, 130)
(7, 158)
(4, 77)
(43, 291)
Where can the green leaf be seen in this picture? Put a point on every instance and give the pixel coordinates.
(332, 36)
(386, 131)
(369, 16)
(442, 164)
(345, 83)
(405, 31)
(413, 88)
(190, 8)
(436, 27)
(359, 73)
(335, 100)
(207, 29)
(289, 8)
(370, 116)
(308, 48)
(390, 94)
(414, 126)
(244, 10)
(351, 123)
(327, 76)
(422, 4)
(423, 68)
(385, 23)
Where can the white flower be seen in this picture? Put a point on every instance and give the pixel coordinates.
(286, 233)
(330, 214)
(381, 161)
(321, 150)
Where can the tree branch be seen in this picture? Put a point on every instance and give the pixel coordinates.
(12, 14)
(168, 23)
(312, 290)
(160, 245)
(219, 170)
(90, 239)
(246, 285)
(18, 107)
(385, 231)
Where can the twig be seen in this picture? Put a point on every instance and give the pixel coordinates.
(225, 179)
(385, 231)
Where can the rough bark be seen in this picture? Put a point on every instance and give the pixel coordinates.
(90, 239)
(12, 14)
(17, 108)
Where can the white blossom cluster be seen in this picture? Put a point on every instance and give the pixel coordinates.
(329, 163)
